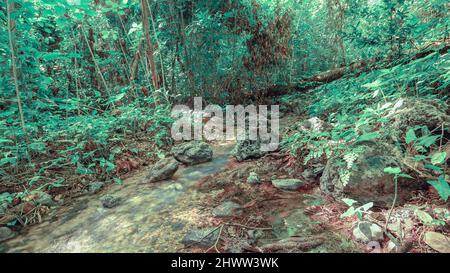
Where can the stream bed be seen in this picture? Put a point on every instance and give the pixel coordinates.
(152, 217)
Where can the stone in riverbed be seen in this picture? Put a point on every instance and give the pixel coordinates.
(110, 201)
(227, 209)
(253, 178)
(203, 237)
(288, 184)
(95, 187)
(247, 149)
(367, 182)
(367, 232)
(162, 170)
(6, 234)
(192, 153)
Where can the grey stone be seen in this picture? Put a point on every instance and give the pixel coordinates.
(253, 178)
(6, 234)
(367, 181)
(162, 170)
(288, 184)
(192, 153)
(227, 209)
(177, 226)
(110, 201)
(313, 124)
(95, 187)
(201, 237)
(247, 149)
(367, 232)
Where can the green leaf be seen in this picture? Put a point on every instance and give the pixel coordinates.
(424, 217)
(33, 180)
(366, 207)
(438, 158)
(427, 141)
(60, 10)
(404, 175)
(83, 170)
(349, 202)
(118, 181)
(368, 136)
(410, 136)
(349, 213)
(392, 170)
(4, 140)
(442, 187)
(433, 168)
(6, 197)
(419, 158)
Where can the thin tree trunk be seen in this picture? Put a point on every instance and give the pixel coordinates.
(9, 10)
(91, 51)
(160, 55)
(149, 47)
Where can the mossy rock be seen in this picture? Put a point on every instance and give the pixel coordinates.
(367, 181)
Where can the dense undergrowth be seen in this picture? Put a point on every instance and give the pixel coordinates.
(87, 86)
(405, 105)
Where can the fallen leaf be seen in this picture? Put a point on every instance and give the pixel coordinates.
(438, 242)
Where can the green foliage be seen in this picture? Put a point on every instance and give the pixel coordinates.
(353, 210)
(87, 91)
(442, 187)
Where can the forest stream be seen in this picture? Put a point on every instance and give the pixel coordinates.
(152, 217)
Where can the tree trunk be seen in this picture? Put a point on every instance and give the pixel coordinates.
(9, 10)
(149, 47)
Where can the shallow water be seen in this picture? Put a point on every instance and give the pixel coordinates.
(152, 218)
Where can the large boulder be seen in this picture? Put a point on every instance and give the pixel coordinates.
(192, 153)
(247, 149)
(419, 112)
(366, 180)
(162, 170)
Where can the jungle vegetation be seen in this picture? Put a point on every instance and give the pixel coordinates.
(84, 82)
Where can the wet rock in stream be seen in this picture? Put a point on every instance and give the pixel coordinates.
(192, 153)
(162, 170)
(110, 201)
(201, 237)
